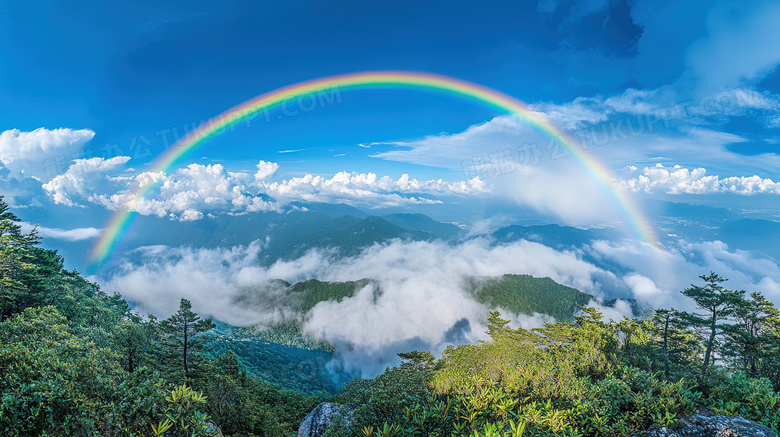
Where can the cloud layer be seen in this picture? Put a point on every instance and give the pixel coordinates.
(419, 292)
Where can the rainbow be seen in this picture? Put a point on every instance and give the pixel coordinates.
(493, 99)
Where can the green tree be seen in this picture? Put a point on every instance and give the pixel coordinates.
(751, 336)
(16, 264)
(185, 342)
(718, 304)
(133, 342)
(675, 340)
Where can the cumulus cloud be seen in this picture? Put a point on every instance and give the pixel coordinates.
(680, 180)
(40, 153)
(368, 189)
(82, 179)
(190, 191)
(194, 191)
(265, 170)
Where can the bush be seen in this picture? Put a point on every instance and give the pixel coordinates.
(735, 394)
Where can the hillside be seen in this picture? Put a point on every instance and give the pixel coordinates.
(527, 295)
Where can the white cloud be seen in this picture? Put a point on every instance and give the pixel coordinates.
(739, 39)
(76, 234)
(450, 150)
(680, 180)
(367, 189)
(415, 303)
(541, 175)
(191, 192)
(265, 170)
(81, 179)
(423, 296)
(41, 153)
(656, 275)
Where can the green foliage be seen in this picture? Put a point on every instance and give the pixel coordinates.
(718, 303)
(58, 383)
(736, 394)
(184, 343)
(17, 271)
(294, 366)
(76, 361)
(181, 418)
(527, 295)
(246, 406)
(751, 340)
(386, 398)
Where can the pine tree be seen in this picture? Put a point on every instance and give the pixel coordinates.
(750, 336)
(718, 304)
(184, 341)
(670, 329)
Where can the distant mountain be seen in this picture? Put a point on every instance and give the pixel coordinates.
(749, 234)
(423, 223)
(289, 234)
(554, 235)
(350, 235)
(330, 209)
(700, 213)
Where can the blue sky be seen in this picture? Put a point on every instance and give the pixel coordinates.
(90, 90)
(679, 99)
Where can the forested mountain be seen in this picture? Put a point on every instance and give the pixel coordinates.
(76, 361)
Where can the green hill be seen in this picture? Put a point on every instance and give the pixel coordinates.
(527, 294)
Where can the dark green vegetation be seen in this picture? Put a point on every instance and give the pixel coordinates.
(282, 356)
(526, 294)
(75, 361)
(588, 377)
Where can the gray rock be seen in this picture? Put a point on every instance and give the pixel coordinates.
(315, 424)
(700, 425)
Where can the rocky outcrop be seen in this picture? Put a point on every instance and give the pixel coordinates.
(315, 424)
(214, 429)
(700, 425)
